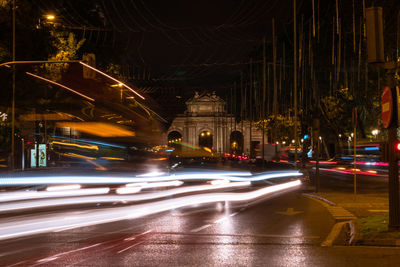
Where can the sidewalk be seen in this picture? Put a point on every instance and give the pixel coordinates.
(363, 218)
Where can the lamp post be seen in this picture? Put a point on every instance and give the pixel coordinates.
(13, 92)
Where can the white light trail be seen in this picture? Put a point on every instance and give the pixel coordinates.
(128, 190)
(114, 198)
(266, 176)
(13, 228)
(218, 182)
(25, 195)
(162, 184)
(137, 187)
(63, 187)
(232, 176)
(151, 174)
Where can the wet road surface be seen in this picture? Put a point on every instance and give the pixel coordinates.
(284, 231)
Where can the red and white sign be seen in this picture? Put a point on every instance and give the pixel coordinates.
(387, 106)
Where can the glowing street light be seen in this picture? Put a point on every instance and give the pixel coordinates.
(375, 132)
(50, 17)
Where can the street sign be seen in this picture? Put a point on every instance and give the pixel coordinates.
(387, 106)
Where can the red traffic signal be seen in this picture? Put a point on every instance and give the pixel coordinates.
(397, 150)
(397, 147)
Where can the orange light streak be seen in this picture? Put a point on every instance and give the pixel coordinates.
(58, 84)
(112, 78)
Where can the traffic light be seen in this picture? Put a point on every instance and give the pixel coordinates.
(306, 136)
(397, 150)
(384, 148)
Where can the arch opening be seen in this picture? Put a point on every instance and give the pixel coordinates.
(236, 143)
(174, 140)
(206, 139)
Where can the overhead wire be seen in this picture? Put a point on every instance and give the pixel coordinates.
(120, 17)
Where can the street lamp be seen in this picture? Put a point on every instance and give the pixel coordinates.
(13, 91)
(50, 17)
(375, 132)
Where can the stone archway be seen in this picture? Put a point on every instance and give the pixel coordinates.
(206, 139)
(174, 140)
(236, 143)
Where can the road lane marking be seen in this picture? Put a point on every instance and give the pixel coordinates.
(56, 256)
(122, 250)
(221, 220)
(289, 212)
(200, 228)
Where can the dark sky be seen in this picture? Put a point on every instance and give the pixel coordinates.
(170, 48)
(178, 39)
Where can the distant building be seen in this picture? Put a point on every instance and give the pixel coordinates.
(206, 123)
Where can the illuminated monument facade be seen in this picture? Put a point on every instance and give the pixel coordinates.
(206, 123)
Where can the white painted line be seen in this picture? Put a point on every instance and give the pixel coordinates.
(200, 228)
(54, 257)
(221, 219)
(122, 250)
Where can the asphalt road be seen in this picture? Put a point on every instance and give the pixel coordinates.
(331, 180)
(284, 231)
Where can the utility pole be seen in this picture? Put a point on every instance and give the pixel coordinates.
(13, 93)
(375, 54)
(296, 138)
(251, 105)
(275, 105)
(394, 196)
(263, 104)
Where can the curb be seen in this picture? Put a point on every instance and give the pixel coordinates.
(380, 242)
(343, 232)
(319, 198)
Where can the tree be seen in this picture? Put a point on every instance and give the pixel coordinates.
(280, 125)
(66, 46)
(336, 112)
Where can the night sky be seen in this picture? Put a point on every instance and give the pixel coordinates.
(191, 44)
(170, 49)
